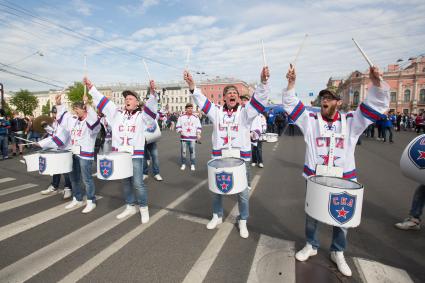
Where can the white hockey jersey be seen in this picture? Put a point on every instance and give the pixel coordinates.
(127, 128)
(317, 151)
(239, 121)
(189, 126)
(58, 137)
(258, 127)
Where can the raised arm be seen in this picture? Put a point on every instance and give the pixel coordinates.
(150, 111)
(203, 102)
(259, 99)
(103, 104)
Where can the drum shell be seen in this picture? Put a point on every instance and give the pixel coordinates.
(31, 160)
(271, 137)
(318, 202)
(237, 174)
(56, 162)
(121, 162)
(411, 164)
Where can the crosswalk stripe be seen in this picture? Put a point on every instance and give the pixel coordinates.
(41, 259)
(21, 201)
(34, 220)
(4, 180)
(274, 261)
(201, 267)
(95, 261)
(375, 272)
(17, 189)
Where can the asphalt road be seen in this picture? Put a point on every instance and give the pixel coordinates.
(41, 242)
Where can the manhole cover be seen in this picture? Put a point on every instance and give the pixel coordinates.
(312, 272)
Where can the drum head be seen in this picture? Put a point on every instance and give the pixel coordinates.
(226, 162)
(335, 182)
(54, 151)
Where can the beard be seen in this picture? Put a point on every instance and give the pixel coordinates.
(328, 112)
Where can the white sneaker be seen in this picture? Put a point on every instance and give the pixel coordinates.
(409, 223)
(243, 230)
(215, 220)
(89, 206)
(74, 203)
(253, 164)
(305, 253)
(249, 188)
(67, 193)
(192, 167)
(144, 214)
(183, 167)
(128, 211)
(338, 258)
(158, 177)
(261, 165)
(49, 191)
(145, 177)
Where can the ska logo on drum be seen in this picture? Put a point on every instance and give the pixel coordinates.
(106, 167)
(151, 128)
(224, 182)
(41, 164)
(342, 206)
(417, 153)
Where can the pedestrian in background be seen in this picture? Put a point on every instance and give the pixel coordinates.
(4, 130)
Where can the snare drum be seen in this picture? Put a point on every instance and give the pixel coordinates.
(334, 201)
(227, 175)
(31, 160)
(412, 162)
(51, 162)
(271, 137)
(114, 166)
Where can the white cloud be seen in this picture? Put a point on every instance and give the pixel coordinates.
(140, 8)
(82, 7)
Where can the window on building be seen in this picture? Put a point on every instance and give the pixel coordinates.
(422, 96)
(172, 99)
(407, 95)
(212, 96)
(356, 98)
(172, 108)
(423, 70)
(185, 91)
(212, 88)
(393, 96)
(406, 111)
(219, 96)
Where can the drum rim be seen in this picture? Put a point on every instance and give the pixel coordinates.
(310, 178)
(215, 159)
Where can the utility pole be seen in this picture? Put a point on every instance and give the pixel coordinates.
(2, 95)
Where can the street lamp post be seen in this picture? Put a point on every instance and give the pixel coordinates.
(2, 95)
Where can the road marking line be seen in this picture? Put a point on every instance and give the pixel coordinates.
(17, 189)
(190, 218)
(274, 261)
(4, 180)
(34, 220)
(375, 272)
(43, 258)
(199, 270)
(22, 201)
(91, 264)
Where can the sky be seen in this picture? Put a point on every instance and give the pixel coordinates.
(224, 39)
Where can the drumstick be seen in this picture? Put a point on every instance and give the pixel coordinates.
(146, 69)
(24, 140)
(299, 49)
(85, 74)
(187, 59)
(363, 53)
(264, 54)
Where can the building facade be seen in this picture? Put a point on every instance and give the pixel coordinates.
(407, 87)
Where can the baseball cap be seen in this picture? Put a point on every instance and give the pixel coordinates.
(130, 92)
(331, 92)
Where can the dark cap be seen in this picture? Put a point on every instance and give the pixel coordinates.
(188, 105)
(130, 92)
(54, 110)
(331, 92)
(244, 96)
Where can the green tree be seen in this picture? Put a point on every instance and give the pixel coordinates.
(24, 101)
(7, 109)
(76, 92)
(45, 109)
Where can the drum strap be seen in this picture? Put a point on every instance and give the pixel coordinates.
(328, 133)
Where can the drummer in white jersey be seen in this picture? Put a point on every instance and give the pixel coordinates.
(77, 132)
(239, 121)
(189, 127)
(128, 136)
(347, 128)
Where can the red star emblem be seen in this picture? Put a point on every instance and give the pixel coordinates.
(187, 130)
(223, 186)
(421, 155)
(342, 212)
(105, 171)
(326, 159)
(225, 140)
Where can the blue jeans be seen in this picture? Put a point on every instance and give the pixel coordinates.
(418, 202)
(81, 173)
(151, 152)
(257, 152)
(57, 179)
(243, 204)
(183, 152)
(140, 193)
(339, 235)
(4, 143)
